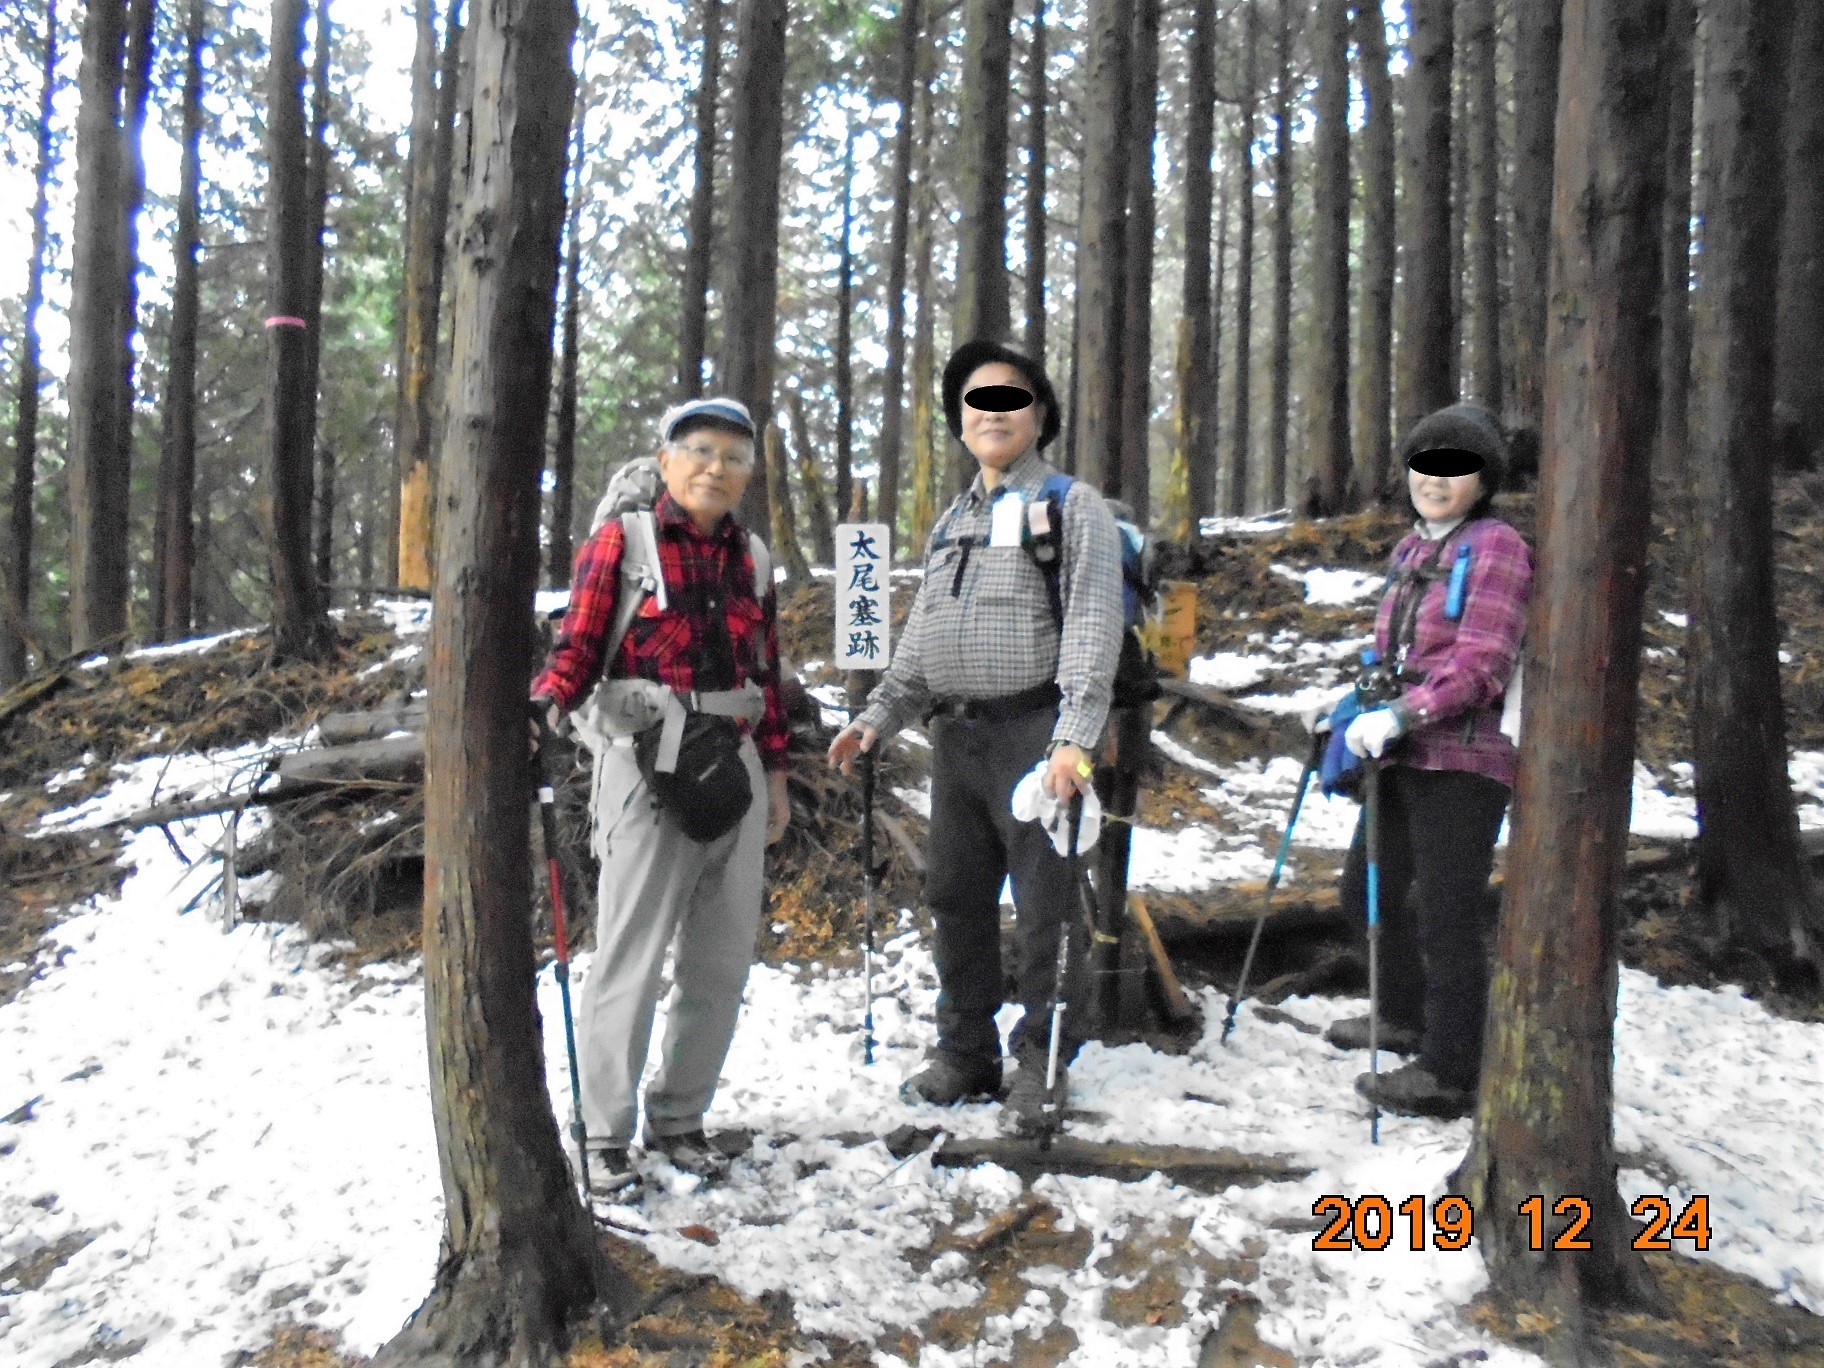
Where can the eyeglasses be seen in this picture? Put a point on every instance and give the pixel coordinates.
(706, 456)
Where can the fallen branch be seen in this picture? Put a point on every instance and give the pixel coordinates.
(1205, 1170)
(907, 846)
(1006, 1225)
(1212, 701)
(1177, 1006)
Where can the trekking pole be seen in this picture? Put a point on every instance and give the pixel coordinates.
(1371, 803)
(547, 813)
(868, 880)
(1318, 741)
(1058, 991)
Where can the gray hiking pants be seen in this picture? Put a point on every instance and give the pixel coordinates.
(660, 889)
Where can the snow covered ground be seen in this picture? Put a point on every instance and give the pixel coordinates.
(246, 1136)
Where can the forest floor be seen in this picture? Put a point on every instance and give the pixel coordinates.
(215, 1140)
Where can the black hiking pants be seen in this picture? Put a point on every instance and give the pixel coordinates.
(1437, 838)
(975, 844)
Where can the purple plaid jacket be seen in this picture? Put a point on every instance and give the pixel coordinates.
(1454, 715)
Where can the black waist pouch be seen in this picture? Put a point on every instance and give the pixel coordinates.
(709, 791)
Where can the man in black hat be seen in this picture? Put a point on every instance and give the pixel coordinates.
(1010, 650)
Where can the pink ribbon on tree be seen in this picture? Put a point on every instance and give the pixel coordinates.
(286, 321)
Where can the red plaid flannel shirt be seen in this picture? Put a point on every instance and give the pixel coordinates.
(663, 645)
(1455, 715)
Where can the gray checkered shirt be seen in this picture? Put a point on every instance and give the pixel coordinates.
(992, 633)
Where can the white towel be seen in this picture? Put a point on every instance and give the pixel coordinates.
(1032, 804)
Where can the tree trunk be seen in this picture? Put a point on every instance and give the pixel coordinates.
(1279, 416)
(300, 628)
(423, 299)
(1459, 218)
(1195, 408)
(924, 344)
(1213, 411)
(316, 192)
(816, 497)
(1539, 26)
(1037, 153)
(1484, 206)
(893, 399)
(693, 331)
(786, 549)
(1137, 265)
(98, 486)
(1750, 873)
(1101, 245)
(13, 654)
(174, 539)
(1426, 372)
(749, 279)
(1672, 457)
(1543, 1121)
(518, 1267)
(845, 313)
(563, 449)
(981, 257)
(1327, 398)
(136, 90)
(1798, 382)
(1240, 497)
(1374, 473)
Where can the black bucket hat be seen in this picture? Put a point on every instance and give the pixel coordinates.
(967, 359)
(1462, 427)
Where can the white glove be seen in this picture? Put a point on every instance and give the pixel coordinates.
(1372, 732)
(1317, 719)
(1032, 804)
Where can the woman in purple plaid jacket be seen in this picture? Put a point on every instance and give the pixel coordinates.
(1448, 764)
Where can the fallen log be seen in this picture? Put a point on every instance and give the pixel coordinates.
(1177, 1006)
(396, 760)
(341, 729)
(1205, 1170)
(1215, 702)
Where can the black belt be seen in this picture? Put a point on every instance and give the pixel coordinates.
(1003, 709)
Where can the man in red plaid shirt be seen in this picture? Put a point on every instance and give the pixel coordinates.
(660, 888)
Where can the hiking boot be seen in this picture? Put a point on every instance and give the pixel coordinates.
(1351, 1033)
(1025, 1110)
(611, 1172)
(688, 1152)
(1412, 1090)
(948, 1079)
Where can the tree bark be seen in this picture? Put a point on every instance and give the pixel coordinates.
(1327, 397)
(981, 257)
(98, 486)
(845, 311)
(1037, 153)
(1195, 415)
(563, 449)
(1374, 473)
(1672, 456)
(893, 398)
(1539, 26)
(924, 343)
(749, 269)
(1137, 265)
(1484, 214)
(1101, 245)
(316, 193)
(13, 654)
(1543, 1119)
(1239, 495)
(423, 299)
(174, 538)
(1284, 189)
(136, 91)
(518, 1267)
(1425, 381)
(693, 331)
(816, 497)
(786, 549)
(1798, 381)
(299, 625)
(1750, 873)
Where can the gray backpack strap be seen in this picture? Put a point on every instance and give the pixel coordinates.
(763, 566)
(642, 577)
